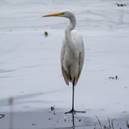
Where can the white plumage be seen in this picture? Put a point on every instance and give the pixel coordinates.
(72, 58)
(72, 53)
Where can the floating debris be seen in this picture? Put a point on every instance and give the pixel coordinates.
(52, 108)
(2, 115)
(121, 4)
(113, 77)
(45, 33)
(33, 124)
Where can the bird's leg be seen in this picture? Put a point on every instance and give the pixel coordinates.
(73, 121)
(73, 87)
(73, 110)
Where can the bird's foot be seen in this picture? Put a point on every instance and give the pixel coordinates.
(74, 111)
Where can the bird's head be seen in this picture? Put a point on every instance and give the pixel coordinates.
(66, 14)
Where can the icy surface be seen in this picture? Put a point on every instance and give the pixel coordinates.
(30, 71)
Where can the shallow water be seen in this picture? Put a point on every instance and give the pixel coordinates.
(30, 64)
(56, 119)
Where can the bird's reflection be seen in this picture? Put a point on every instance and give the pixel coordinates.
(73, 120)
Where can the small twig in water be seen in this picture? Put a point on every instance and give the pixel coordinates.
(99, 122)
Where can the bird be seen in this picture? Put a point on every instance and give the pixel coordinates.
(72, 53)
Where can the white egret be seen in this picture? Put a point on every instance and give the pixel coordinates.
(72, 53)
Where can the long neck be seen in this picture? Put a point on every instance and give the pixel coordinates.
(70, 27)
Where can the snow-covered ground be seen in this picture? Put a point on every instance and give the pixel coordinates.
(30, 71)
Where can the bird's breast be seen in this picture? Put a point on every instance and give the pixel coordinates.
(70, 60)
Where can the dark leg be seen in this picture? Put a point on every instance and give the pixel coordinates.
(73, 121)
(73, 98)
(73, 110)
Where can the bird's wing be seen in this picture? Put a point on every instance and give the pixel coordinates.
(78, 40)
(64, 72)
(81, 62)
(65, 75)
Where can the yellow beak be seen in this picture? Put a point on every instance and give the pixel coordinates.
(53, 14)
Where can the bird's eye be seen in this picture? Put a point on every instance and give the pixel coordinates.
(62, 13)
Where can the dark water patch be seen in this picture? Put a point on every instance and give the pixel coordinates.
(7, 70)
(5, 77)
(33, 66)
(24, 96)
(57, 119)
(45, 119)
